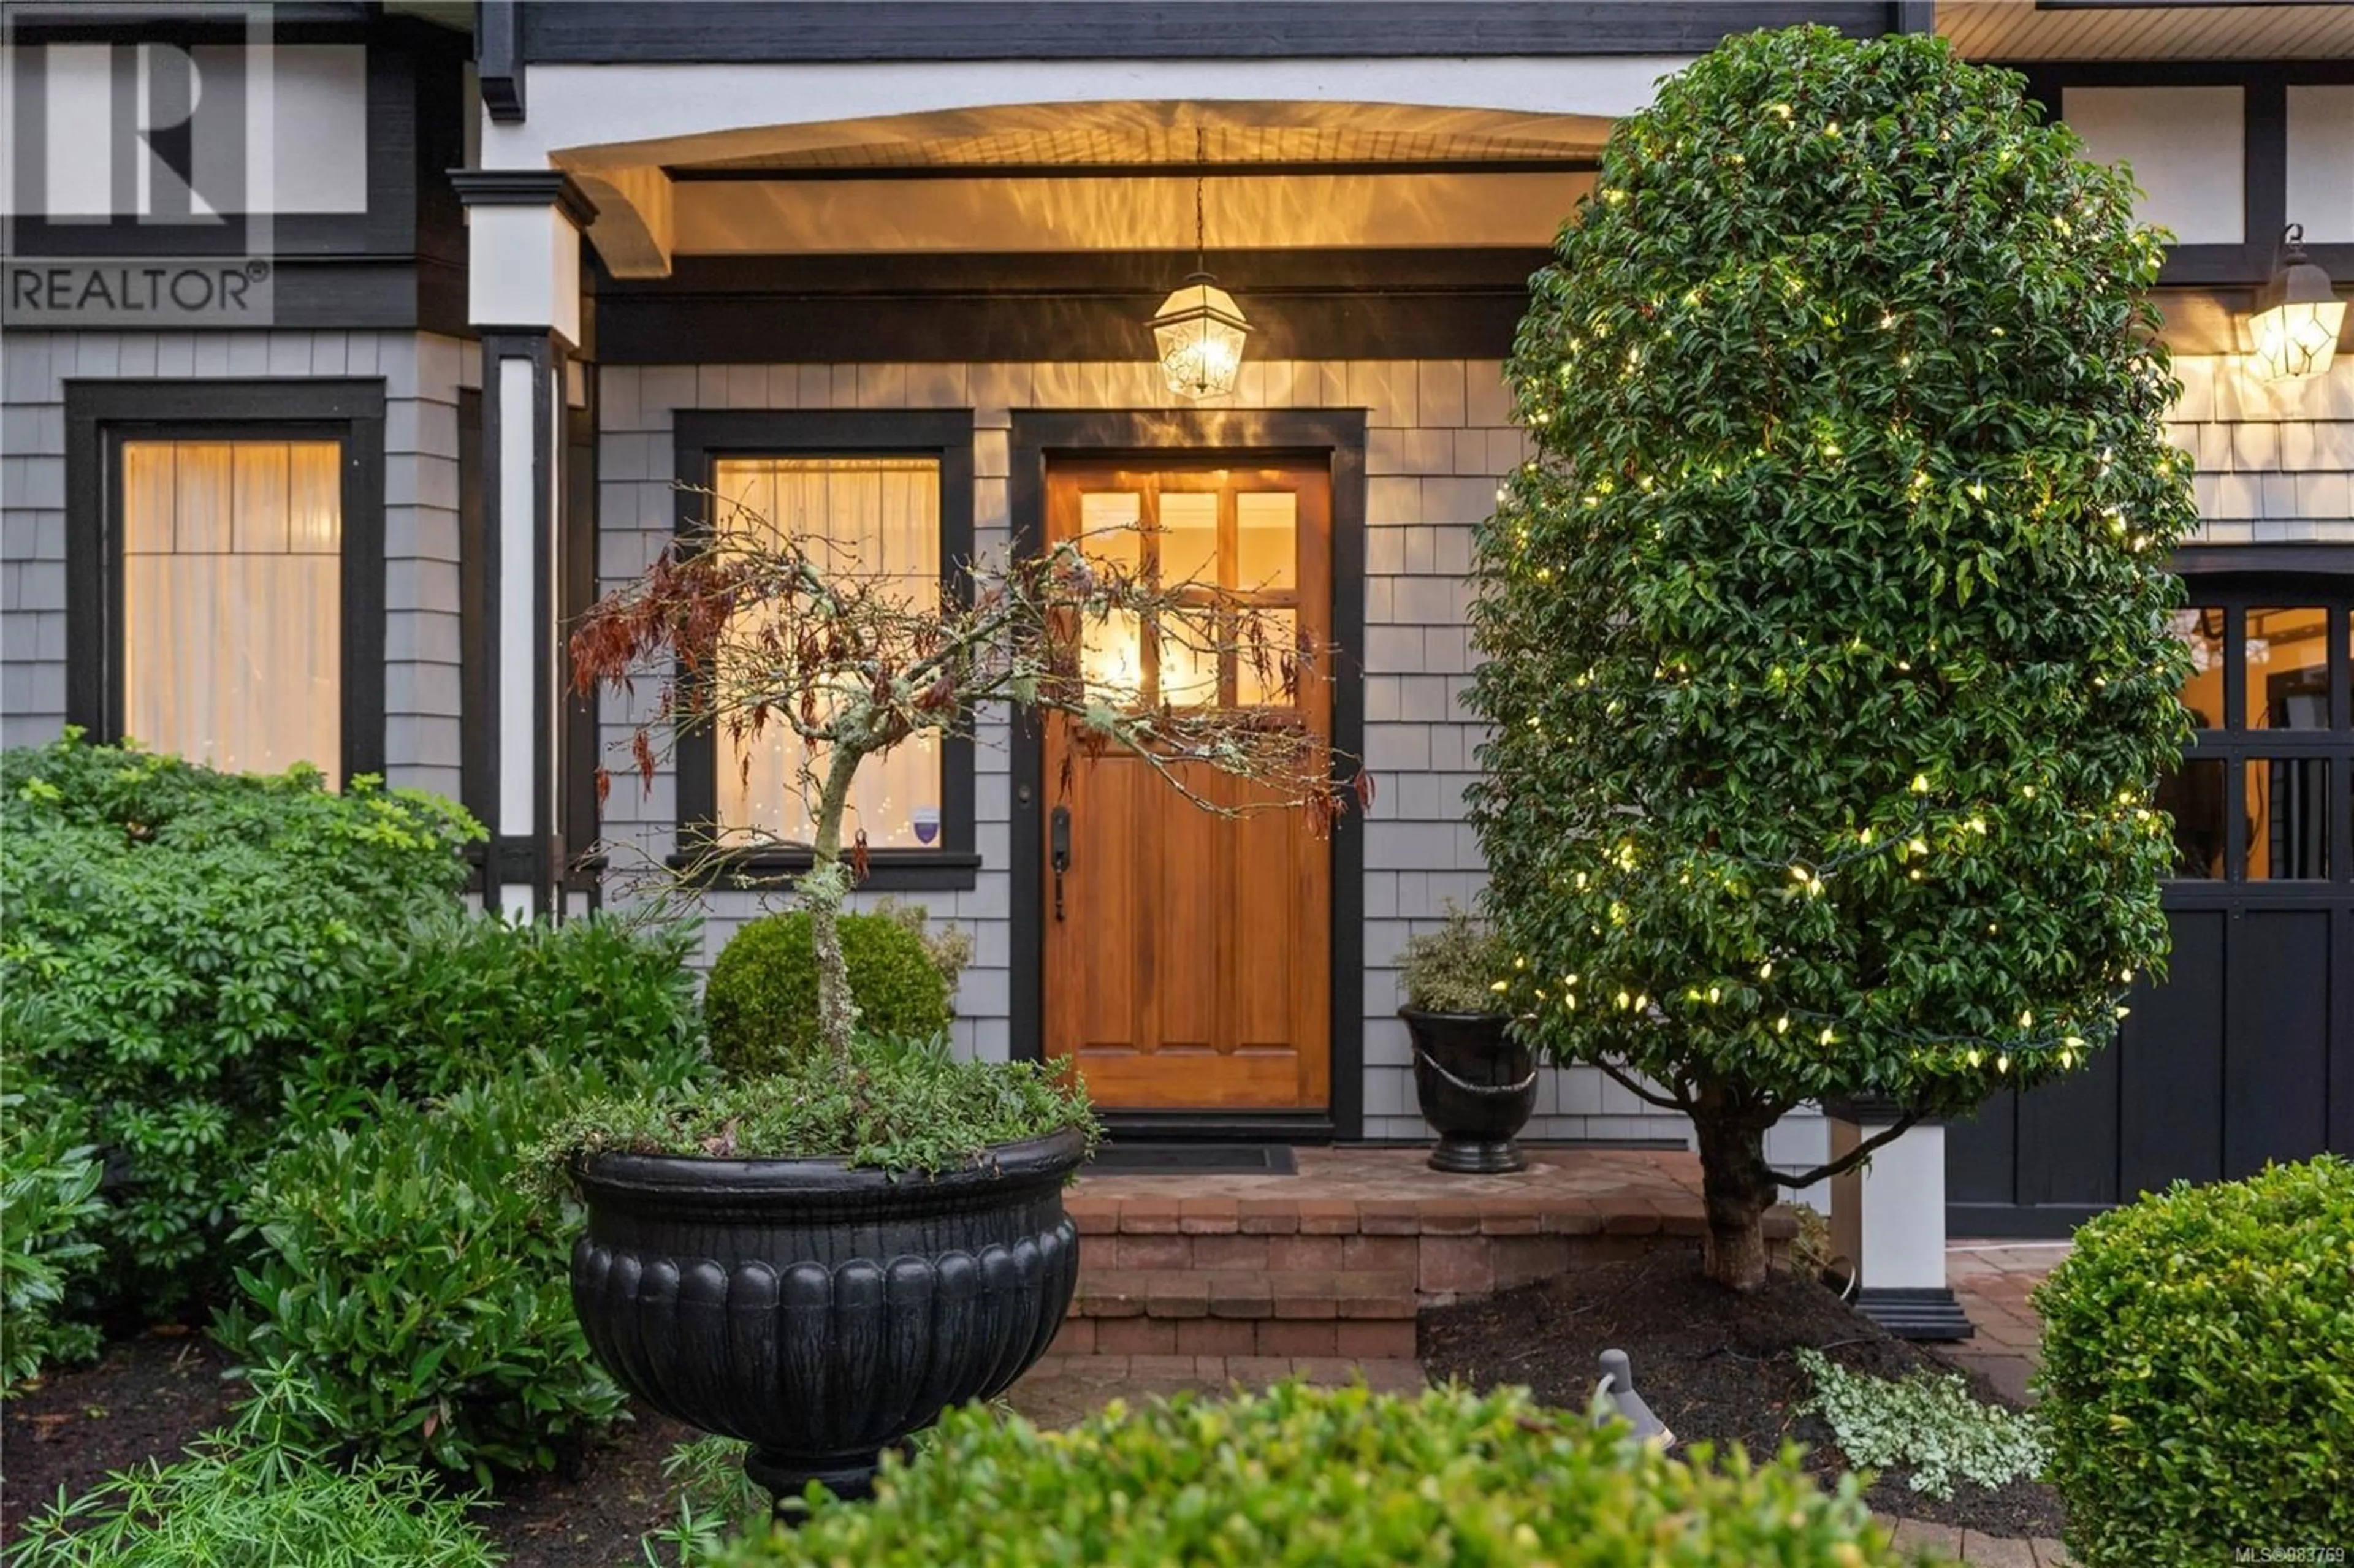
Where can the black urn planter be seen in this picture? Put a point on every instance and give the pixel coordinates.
(818, 1313)
(1477, 1086)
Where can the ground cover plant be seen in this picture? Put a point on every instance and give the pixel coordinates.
(173, 935)
(1326, 1477)
(1825, 636)
(2197, 1371)
(1927, 1426)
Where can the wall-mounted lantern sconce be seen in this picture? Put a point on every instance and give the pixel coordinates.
(1198, 332)
(2297, 316)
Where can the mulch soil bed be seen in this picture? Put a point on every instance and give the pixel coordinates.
(1714, 1366)
(148, 1397)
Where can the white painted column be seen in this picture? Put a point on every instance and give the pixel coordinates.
(523, 298)
(1888, 1217)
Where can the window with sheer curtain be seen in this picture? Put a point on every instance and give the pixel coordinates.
(877, 517)
(232, 601)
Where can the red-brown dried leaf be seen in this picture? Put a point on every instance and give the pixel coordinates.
(860, 864)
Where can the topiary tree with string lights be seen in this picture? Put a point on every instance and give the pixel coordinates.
(1827, 658)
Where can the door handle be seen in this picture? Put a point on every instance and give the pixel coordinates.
(1059, 845)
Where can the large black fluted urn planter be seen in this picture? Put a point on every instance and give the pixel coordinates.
(822, 1314)
(1477, 1086)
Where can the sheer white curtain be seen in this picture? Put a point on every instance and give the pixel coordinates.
(870, 516)
(232, 601)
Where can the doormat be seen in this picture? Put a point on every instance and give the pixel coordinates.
(1128, 1158)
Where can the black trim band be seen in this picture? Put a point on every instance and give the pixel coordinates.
(704, 32)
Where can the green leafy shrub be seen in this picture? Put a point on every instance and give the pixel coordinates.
(1459, 968)
(761, 998)
(1928, 1425)
(1827, 661)
(48, 1209)
(173, 935)
(899, 1105)
(2198, 1373)
(228, 1507)
(1327, 1477)
(411, 1301)
(457, 998)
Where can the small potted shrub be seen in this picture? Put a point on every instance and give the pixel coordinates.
(1475, 1083)
(820, 1260)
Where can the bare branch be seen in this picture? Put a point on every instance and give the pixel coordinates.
(1853, 1157)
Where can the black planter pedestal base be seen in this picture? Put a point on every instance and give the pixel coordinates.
(1461, 1156)
(850, 1477)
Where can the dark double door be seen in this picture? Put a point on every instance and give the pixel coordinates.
(2246, 1053)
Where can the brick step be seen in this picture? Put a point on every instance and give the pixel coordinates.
(1355, 1313)
(1200, 1293)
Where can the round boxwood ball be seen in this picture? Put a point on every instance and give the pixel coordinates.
(761, 1000)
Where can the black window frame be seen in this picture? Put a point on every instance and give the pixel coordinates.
(703, 437)
(102, 415)
(2235, 580)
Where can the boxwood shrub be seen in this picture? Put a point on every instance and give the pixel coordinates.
(1338, 1478)
(173, 935)
(2198, 1373)
(761, 998)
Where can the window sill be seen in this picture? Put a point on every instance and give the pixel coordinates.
(887, 871)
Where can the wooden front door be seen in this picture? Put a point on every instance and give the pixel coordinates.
(1188, 955)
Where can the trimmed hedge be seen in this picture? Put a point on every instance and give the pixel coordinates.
(1333, 1478)
(2198, 1373)
(761, 999)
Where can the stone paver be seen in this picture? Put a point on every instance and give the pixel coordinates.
(1992, 1280)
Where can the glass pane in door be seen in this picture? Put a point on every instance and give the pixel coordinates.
(2288, 817)
(1266, 541)
(2201, 630)
(2289, 669)
(2193, 795)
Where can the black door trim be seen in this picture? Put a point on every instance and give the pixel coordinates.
(1338, 436)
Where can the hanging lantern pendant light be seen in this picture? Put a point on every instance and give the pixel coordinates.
(1199, 330)
(2298, 315)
